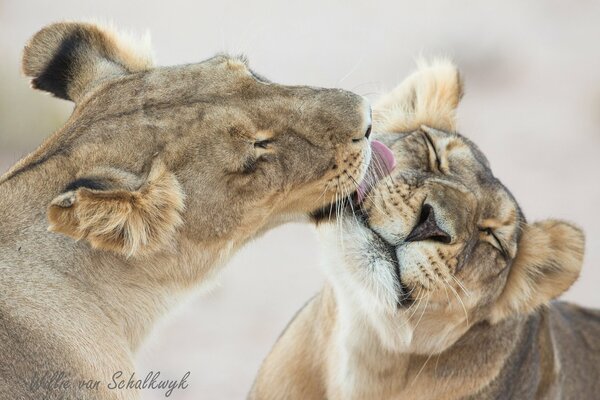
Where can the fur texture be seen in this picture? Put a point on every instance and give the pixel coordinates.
(429, 96)
(133, 223)
(159, 175)
(438, 288)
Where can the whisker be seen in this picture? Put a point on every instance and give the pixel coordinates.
(421, 370)
(467, 293)
(440, 353)
(423, 312)
(415, 306)
(354, 68)
(461, 303)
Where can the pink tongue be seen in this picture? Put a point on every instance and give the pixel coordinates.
(382, 163)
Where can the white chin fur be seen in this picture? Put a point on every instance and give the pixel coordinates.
(366, 293)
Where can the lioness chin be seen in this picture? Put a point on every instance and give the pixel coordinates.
(159, 175)
(438, 288)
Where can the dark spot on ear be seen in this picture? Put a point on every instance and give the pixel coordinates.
(60, 70)
(88, 183)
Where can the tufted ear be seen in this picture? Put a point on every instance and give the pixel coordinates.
(548, 262)
(68, 59)
(429, 96)
(120, 212)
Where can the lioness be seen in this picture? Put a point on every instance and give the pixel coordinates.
(438, 288)
(156, 178)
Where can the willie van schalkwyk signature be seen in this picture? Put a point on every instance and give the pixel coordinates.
(59, 381)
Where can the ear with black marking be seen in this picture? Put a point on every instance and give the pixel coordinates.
(120, 212)
(429, 96)
(548, 262)
(68, 59)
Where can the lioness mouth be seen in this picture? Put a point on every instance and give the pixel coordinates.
(383, 249)
(382, 164)
(388, 251)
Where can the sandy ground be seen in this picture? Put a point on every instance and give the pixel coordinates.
(532, 104)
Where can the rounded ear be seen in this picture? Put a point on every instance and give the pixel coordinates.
(429, 96)
(107, 212)
(548, 262)
(68, 59)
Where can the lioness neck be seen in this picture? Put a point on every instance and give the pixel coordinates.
(96, 296)
(362, 366)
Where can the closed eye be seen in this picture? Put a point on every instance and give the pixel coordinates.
(489, 233)
(432, 151)
(262, 144)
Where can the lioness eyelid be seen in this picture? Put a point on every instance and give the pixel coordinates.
(490, 231)
(431, 145)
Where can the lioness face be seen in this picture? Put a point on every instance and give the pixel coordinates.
(210, 146)
(440, 244)
(432, 240)
(286, 148)
(243, 147)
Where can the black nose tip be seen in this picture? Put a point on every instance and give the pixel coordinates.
(427, 228)
(368, 133)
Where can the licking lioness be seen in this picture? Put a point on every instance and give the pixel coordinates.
(159, 175)
(438, 287)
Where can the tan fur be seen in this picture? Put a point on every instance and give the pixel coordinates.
(460, 311)
(548, 262)
(427, 97)
(132, 223)
(157, 178)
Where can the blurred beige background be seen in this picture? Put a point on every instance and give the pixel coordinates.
(532, 103)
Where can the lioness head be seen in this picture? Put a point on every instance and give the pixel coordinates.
(440, 244)
(211, 149)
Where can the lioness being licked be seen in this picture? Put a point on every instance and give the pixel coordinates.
(157, 177)
(438, 287)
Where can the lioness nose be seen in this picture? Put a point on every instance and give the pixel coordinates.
(368, 131)
(427, 228)
(367, 122)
